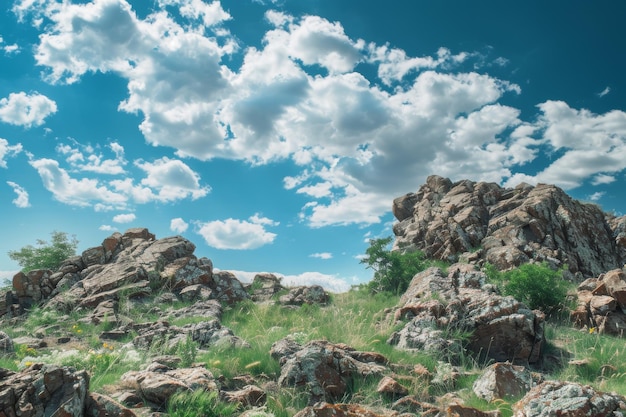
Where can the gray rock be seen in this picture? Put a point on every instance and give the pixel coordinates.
(512, 226)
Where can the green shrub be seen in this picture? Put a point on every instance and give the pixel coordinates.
(45, 255)
(393, 270)
(536, 285)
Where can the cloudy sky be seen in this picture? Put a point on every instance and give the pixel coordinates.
(274, 134)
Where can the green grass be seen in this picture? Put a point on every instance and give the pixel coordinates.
(199, 403)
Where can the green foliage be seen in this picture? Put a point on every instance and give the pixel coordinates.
(199, 403)
(393, 270)
(45, 255)
(187, 350)
(536, 285)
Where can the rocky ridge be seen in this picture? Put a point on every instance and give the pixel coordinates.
(483, 222)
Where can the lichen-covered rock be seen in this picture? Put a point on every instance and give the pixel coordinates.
(157, 387)
(503, 381)
(298, 296)
(556, 398)
(43, 390)
(6, 343)
(264, 286)
(228, 288)
(324, 409)
(437, 304)
(509, 226)
(602, 303)
(324, 369)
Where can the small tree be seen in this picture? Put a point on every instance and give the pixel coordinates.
(45, 255)
(393, 270)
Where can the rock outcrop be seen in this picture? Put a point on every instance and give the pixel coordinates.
(133, 264)
(602, 304)
(439, 306)
(555, 398)
(507, 227)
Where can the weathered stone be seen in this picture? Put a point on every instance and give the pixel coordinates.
(500, 327)
(459, 410)
(392, 388)
(324, 369)
(186, 271)
(298, 296)
(158, 387)
(248, 396)
(43, 390)
(6, 343)
(264, 286)
(99, 405)
(195, 292)
(503, 381)
(228, 288)
(556, 398)
(340, 410)
(602, 305)
(512, 226)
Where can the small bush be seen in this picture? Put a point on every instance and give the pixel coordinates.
(536, 285)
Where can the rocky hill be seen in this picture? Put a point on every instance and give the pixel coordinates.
(478, 222)
(155, 304)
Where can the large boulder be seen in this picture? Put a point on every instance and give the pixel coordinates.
(43, 390)
(556, 398)
(437, 306)
(324, 369)
(508, 227)
(602, 303)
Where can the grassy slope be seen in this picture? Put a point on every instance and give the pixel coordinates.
(356, 318)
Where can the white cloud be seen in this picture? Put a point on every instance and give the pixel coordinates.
(171, 178)
(124, 218)
(321, 255)
(21, 200)
(94, 162)
(358, 141)
(597, 195)
(77, 192)
(591, 146)
(332, 283)
(7, 150)
(26, 110)
(107, 228)
(602, 179)
(178, 225)
(6, 277)
(235, 234)
(257, 219)
(604, 92)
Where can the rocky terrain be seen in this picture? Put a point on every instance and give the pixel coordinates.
(478, 222)
(464, 223)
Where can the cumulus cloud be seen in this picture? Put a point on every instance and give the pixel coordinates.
(178, 225)
(172, 179)
(7, 150)
(236, 234)
(107, 228)
(26, 110)
(82, 192)
(604, 92)
(21, 200)
(358, 139)
(597, 196)
(85, 158)
(589, 146)
(124, 218)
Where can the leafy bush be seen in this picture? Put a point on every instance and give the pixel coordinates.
(45, 255)
(393, 270)
(536, 285)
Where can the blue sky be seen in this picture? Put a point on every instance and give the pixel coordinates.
(275, 134)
